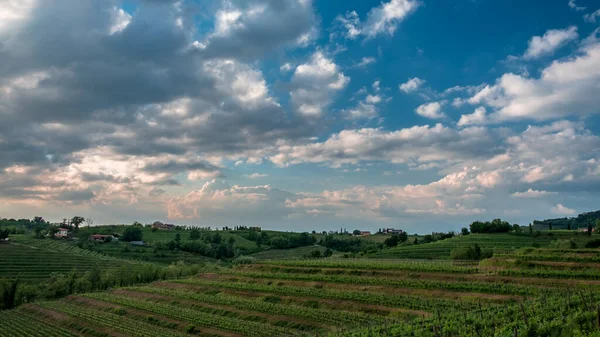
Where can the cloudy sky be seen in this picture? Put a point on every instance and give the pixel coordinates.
(299, 114)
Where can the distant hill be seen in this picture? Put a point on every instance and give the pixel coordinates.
(581, 221)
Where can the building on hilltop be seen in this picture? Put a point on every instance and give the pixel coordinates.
(103, 238)
(62, 233)
(393, 231)
(163, 226)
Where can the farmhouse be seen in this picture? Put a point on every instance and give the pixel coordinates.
(62, 233)
(163, 226)
(393, 231)
(365, 233)
(102, 238)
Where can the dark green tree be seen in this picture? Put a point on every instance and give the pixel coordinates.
(465, 231)
(356, 232)
(132, 233)
(76, 221)
(194, 234)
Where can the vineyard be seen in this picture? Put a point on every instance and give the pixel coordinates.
(32, 260)
(441, 249)
(527, 292)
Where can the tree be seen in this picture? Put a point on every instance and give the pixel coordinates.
(464, 231)
(177, 240)
(402, 237)
(194, 234)
(259, 240)
(38, 219)
(516, 228)
(132, 234)
(76, 221)
(530, 229)
(590, 228)
(89, 221)
(356, 232)
(328, 252)
(392, 241)
(4, 234)
(597, 225)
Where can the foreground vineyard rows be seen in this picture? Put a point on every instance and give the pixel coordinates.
(502, 297)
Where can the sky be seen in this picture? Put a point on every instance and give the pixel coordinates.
(300, 115)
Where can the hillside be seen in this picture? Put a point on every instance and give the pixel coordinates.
(581, 221)
(441, 249)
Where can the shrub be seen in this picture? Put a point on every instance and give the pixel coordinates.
(190, 328)
(593, 244)
(472, 252)
(563, 244)
(244, 260)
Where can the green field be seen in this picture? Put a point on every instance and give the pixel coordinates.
(335, 297)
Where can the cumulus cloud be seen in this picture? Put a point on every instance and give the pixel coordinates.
(565, 87)
(411, 85)
(478, 117)
(549, 42)
(559, 209)
(531, 193)
(368, 106)
(249, 29)
(431, 110)
(315, 82)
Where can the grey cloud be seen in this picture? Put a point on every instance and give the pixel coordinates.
(281, 22)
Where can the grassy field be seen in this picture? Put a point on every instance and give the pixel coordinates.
(515, 294)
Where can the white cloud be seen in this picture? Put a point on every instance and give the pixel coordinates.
(559, 209)
(286, 67)
(315, 83)
(531, 193)
(478, 117)
(591, 17)
(365, 61)
(574, 6)
(551, 41)
(351, 23)
(565, 87)
(13, 12)
(243, 83)
(383, 19)
(411, 85)
(431, 110)
(120, 20)
(386, 17)
(256, 175)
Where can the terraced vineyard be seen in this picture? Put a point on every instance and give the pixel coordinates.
(38, 259)
(441, 249)
(340, 297)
